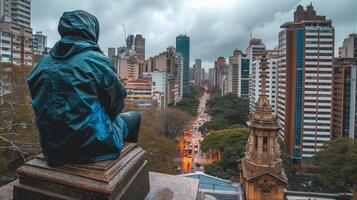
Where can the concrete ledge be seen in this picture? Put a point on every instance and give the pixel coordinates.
(113, 179)
(165, 187)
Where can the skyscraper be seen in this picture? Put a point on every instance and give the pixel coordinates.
(16, 42)
(220, 69)
(130, 42)
(111, 54)
(41, 41)
(306, 48)
(183, 47)
(198, 71)
(211, 75)
(17, 11)
(254, 50)
(349, 47)
(139, 43)
(255, 83)
(344, 109)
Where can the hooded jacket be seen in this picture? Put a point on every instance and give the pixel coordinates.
(76, 96)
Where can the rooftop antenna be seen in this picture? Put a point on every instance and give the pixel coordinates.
(250, 35)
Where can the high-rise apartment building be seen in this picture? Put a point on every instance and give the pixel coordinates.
(17, 11)
(211, 76)
(41, 41)
(130, 42)
(238, 74)
(349, 47)
(233, 71)
(139, 46)
(171, 62)
(344, 109)
(271, 80)
(306, 49)
(16, 42)
(183, 47)
(198, 71)
(254, 50)
(128, 65)
(139, 93)
(220, 69)
(111, 54)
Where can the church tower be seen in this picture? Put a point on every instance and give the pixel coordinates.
(261, 174)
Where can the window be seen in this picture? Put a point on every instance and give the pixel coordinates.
(265, 143)
(256, 142)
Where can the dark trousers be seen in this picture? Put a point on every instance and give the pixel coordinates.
(132, 120)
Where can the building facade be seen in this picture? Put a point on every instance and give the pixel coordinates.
(254, 50)
(139, 93)
(271, 81)
(344, 122)
(306, 49)
(16, 43)
(139, 46)
(41, 41)
(349, 47)
(183, 47)
(221, 70)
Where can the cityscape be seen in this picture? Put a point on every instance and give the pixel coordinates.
(273, 119)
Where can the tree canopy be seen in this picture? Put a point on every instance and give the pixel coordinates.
(190, 102)
(334, 168)
(226, 111)
(231, 143)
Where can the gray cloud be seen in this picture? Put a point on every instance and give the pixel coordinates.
(215, 27)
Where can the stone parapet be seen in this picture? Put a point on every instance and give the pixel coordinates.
(124, 178)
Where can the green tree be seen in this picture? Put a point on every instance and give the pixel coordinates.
(226, 111)
(334, 168)
(189, 102)
(287, 161)
(160, 151)
(231, 143)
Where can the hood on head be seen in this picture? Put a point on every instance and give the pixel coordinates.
(79, 32)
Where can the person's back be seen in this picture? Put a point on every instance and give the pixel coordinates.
(77, 97)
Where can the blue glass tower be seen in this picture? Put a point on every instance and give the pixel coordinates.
(183, 47)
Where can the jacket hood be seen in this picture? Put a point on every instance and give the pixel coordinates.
(79, 32)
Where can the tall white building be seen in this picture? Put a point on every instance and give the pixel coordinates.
(271, 81)
(41, 41)
(254, 50)
(238, 74)
(306, 49)
(159, 85)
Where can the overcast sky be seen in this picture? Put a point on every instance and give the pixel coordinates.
(215, 27)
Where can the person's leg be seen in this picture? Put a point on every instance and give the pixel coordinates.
(132, 120)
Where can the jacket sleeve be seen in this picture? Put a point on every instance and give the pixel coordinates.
(112, 91)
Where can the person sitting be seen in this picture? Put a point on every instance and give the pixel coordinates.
(77, 97)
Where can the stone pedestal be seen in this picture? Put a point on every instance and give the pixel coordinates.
(124, 178)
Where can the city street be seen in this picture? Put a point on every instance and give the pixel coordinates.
(191, 156)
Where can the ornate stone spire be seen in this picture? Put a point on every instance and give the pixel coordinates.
(263, 110)
(261, 172)
(263, 75)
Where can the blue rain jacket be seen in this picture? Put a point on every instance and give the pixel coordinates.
(77, 96)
